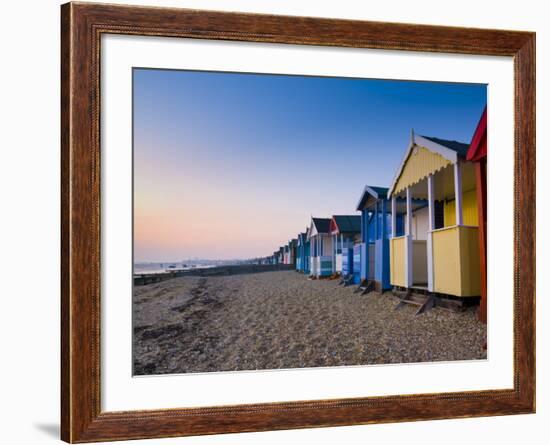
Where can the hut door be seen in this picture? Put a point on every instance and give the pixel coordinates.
(372, 252)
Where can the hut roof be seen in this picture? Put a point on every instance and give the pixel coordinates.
(347, 223)
(444, 151)
(374, 191)
(460, 147)
(321, 224)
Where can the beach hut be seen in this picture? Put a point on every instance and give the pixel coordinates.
(373, 252)
(320, 247)
(293, 247)
(302, 253)
(345, 231)
(281, 255)
(286, 254)
(290, 252)
(299, 252)
(477, 153)
(438, 250)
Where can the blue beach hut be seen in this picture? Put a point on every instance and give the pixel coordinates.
(346, 232)
(302, 253)
(374, 251)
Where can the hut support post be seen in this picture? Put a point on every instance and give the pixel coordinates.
(458, 192)
(393, 218)
(342, 252)
(383, 247)
(409, 243)
(431, 227)
(365, 247)
(376, 225)
(384, 221)
(334, 251)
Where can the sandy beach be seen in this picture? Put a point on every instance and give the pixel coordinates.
(275, 320)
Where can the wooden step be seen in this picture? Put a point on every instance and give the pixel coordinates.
(365, 287)
(426, 302)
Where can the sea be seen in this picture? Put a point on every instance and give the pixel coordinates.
(162, 267)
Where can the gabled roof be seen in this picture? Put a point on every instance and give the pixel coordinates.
(375, 192)
(321, 224)
(459, 147)
(450, 150)
(346, 223)
(318, 225)
(478, 146)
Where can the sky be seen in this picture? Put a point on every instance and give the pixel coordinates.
(233, 165)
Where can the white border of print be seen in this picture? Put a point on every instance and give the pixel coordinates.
(121, 391)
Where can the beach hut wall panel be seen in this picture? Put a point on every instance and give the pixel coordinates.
(438, 259)
(343, 248)
(371, 257)
(469, 210)
(477, 153)
(357, 263)
(397, 261)
(347, 261)
(339, 263)
(420, 224)
(420, 261)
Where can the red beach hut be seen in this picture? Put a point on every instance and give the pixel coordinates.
(477, 153)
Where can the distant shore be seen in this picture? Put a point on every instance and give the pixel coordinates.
(280, 319)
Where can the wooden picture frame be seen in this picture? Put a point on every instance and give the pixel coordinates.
(82, 26)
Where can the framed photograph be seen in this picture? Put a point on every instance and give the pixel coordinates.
(274, 222)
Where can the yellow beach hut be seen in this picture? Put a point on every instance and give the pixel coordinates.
(437, 250)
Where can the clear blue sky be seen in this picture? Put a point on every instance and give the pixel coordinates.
(233, 165)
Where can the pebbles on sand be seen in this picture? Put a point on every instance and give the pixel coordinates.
(275, 320)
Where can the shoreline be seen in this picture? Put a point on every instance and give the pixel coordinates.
(141, 279)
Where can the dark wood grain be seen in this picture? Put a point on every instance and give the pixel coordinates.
(82, 26)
